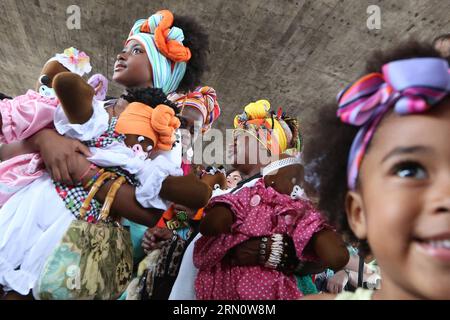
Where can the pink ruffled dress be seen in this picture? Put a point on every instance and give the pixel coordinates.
(22, 117)
(258, 211)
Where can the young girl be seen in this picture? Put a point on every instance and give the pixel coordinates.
(275, 204)
(133, 70)
(392, 133)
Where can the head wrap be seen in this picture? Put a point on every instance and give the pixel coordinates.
(74, 60)
(164, 46)
(204, 99)
(405, 86)
(272, 130)
(157, 124)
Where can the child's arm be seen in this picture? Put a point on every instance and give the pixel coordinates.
(330, 248)
(218, 220)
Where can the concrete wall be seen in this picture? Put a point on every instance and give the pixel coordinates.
(296, 53)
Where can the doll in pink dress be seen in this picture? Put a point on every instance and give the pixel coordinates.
(27, 114)
(276, 205)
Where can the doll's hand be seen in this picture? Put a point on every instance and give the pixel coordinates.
(154, 238)
(337, 283)
(60, 155)
(246, 253)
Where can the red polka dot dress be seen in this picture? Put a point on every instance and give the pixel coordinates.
(258, 211)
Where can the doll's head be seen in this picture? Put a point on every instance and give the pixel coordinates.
(164, 52)
(261, 136)
(72, 60)
(392, 136)
(286, 176)
(215, 178)
(147, 129)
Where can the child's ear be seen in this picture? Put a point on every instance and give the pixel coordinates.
(356, 215)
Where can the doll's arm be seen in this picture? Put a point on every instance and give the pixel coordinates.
(75, 95)
(218, 220)
(330, 248)
(188, 191)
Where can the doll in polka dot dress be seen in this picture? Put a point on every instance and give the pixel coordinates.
(276, 205)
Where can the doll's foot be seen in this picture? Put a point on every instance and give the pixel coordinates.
(75, 96)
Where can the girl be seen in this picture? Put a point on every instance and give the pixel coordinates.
(246, 253)
(392, 133)
(233, 178)
(275, 204)
(140, 65)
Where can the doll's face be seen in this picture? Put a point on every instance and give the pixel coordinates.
(142, 146)
(132, 68)
(286, 179)
(215, 181)
(402, 206)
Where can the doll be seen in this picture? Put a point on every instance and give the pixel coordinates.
(23, 116)
(277, 204)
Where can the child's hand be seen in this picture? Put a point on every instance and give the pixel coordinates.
(60, 155)
(337, 283)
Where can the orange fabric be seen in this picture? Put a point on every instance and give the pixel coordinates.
(136, 119)
(165, 123)
(167, 216)
(157, 124)
(171, 49)
(170, 215)
(199, 215)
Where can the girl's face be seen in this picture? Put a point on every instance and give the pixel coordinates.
(132, 68)
(403, 204)
(247, 153)
(233, 179)
(191, 121)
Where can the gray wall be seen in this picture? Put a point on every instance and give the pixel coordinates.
(296, 53)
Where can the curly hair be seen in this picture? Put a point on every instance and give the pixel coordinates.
(197, 40)
(330, 143)
(4, 96)
(149, 96)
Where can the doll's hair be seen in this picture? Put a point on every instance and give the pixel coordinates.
(4, 96)
(197, 40)
(152, 97)
(331, 140)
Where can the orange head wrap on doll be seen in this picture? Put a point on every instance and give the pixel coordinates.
(158, 124)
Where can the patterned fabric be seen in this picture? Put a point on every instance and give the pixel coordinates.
(74, 196)
(92, 262)
(108, 137)
(406, 86)
(203, 99)
(258, 211)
